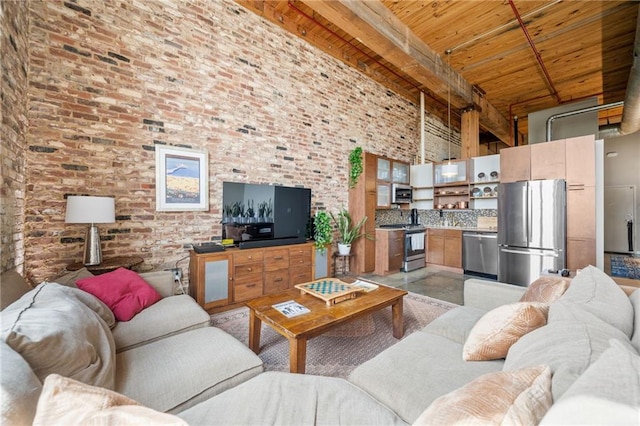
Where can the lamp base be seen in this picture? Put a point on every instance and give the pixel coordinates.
(92, 251)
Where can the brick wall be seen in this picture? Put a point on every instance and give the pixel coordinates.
(109, 82)
(14, 55)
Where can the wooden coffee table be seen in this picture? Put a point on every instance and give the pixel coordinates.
(322, 318)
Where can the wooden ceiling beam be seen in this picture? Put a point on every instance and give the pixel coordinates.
(371, 23)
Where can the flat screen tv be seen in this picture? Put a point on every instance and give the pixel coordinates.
(256, 213)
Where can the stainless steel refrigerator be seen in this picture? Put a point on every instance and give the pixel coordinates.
(531, 229)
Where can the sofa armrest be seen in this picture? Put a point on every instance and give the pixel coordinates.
(162, 281)
(488, 295)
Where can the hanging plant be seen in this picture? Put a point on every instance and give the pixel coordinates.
(355, 163)
(323, 231)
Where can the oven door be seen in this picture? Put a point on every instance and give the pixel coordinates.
(414, 251)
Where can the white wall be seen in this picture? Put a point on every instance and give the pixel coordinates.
(567, 127)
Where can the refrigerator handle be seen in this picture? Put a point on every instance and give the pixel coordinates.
(531, 253)
(527, 197)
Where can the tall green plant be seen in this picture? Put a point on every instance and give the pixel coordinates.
(348, 232)
(323, 231)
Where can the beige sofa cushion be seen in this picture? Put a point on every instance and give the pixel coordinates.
(168, 316)
(177, 372)
(567, 347)
(19, 388)
(520, 397)
(589, 410)
(498, 329)
(614, 376)
(69, 278)
(635, 301)
(410, 375)
(283, 399)
(68, 402)
(55, 332)
(597, 293)
(455, 324)
(545, 289)
(13, 287)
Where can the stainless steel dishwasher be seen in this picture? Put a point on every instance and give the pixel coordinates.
(480, 253)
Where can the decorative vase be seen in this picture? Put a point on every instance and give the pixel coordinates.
(344, 249)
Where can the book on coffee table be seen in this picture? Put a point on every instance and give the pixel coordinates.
(366, 285)
(291, 308)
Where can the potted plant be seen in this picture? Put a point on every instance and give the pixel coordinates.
(348, 231)
(322, 230)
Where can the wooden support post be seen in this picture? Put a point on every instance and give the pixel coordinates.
(470, 133)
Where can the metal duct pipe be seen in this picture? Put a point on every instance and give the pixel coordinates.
(576, 112)
(631, 113)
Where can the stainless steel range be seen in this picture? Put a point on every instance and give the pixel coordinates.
(414, 246)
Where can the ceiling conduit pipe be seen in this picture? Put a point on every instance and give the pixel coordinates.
(631, 113)
(576, 112)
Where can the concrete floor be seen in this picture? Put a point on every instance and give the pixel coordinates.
(432, 282)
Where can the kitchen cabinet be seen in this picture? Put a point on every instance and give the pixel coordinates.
(444, 247)
(515, 164)
(548, 160)
(363, 202)
(389, 172)
(389, 251)
(581, 252)
(222, 279)
(400, 172)
(580, 158)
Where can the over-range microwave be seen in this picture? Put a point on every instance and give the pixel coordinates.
(400, 193)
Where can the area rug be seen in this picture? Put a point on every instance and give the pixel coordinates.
(337, 352)
(625, 266)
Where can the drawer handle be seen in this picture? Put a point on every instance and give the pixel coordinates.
(277, 280)
(251, 285)
(278, 258)
(249, 269)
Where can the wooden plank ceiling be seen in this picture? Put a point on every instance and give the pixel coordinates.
(508, 57)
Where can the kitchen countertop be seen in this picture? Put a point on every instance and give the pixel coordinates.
(460, 228)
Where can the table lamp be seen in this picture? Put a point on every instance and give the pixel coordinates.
(86, 209)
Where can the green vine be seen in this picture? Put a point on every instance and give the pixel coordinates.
(323, 231)
(355, 161)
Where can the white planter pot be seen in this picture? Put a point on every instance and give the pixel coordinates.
(344, 249)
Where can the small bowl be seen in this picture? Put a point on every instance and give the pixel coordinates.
(487, 191)
(450, 206)
(439, 207)
(494, 175)
(481, 176)
(476, 192)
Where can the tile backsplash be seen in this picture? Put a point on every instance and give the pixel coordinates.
(470, 218)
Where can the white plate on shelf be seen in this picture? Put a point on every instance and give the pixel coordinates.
(476, 192)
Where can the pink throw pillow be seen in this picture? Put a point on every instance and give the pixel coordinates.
(122, 290)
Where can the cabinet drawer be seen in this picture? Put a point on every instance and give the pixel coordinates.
(276, 281)
(300, 274)
(246, 292)
(248, 257)
(276, 259)
(248, 273)
(300, 253)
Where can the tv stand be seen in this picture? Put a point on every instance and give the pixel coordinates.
(223, 280)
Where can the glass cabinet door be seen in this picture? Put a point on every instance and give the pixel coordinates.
(400, 172)
(383, 195)
(384, 169)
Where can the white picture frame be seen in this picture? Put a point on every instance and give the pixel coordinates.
(182, 179)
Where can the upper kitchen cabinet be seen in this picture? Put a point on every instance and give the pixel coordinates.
(460, 178)
(400, 172)
(548, 160)
(580, 157)
(545, 160)
(389, 172)
(422, 184)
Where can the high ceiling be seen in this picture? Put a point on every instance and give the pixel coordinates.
(508, 57)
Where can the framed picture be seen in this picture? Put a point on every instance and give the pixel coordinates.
(182, 179)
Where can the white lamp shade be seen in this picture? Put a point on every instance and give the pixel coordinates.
(449, 170)
(85, 209)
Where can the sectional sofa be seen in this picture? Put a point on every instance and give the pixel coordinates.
(544, 354)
